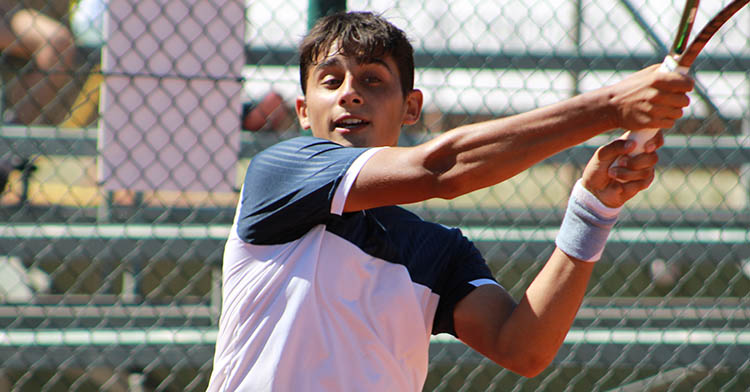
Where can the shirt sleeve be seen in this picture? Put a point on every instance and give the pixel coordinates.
(342, 191)
(436, 256)
(289, 188)
(465, 270)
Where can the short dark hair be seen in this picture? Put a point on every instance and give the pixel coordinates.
(358, 34)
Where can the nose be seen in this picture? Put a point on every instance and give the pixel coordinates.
(349, 93)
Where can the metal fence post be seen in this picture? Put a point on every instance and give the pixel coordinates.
(319, 8)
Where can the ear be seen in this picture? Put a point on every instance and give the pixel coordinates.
(300, 106)
(413, 107)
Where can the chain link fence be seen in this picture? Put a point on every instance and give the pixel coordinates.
(121, 184)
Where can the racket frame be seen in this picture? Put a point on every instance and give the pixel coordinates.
(681, 56)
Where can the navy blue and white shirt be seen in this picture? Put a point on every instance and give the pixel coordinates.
(315, 299)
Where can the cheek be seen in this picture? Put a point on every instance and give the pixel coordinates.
(397, 111)
(317, 111)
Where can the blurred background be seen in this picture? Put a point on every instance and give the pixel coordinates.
(127, 127)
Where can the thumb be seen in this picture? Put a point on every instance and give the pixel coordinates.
(609, 153)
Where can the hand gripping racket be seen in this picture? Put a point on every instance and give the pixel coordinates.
(682, 55)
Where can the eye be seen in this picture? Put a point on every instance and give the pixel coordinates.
(330, 81)
(372, 79)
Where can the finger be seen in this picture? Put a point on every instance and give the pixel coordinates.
(666, 112)
(658, 117)
(631, 188)
(674, 82)
(656, 142)
(641, 161)
(661, 123)
(614, 149)
(670, 113)
(651, 69)
(680, 100)
(625, 175)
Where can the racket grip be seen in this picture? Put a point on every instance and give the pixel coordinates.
(640, 137)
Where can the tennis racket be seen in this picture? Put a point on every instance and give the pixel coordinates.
(681, 55)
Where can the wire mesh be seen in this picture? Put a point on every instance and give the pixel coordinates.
(121, 184)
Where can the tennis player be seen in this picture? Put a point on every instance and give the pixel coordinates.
(329, 286)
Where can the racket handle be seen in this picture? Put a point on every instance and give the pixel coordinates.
(640, 137)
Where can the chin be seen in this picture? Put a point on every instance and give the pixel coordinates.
(353, 140)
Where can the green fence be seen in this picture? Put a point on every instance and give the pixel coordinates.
(122, 185)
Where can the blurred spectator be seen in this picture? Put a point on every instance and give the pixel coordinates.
(48, 45)
(268, 114)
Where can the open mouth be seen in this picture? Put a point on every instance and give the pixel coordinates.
(351, 123)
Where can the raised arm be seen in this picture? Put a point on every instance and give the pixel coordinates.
(525, 337)
(475, 156)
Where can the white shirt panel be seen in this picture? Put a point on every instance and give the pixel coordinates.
(284, 319)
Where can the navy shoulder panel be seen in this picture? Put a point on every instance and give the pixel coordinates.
(289, 187)
(436, 256)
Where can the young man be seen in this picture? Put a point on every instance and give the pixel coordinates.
(328, 286)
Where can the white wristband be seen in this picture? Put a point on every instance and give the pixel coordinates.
(586, 225)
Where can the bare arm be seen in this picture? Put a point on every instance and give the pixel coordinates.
(483, 154)
(526, 337)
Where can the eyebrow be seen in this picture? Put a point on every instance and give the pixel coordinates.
(331, 61)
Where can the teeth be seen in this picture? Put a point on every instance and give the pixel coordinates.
(351, 121)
